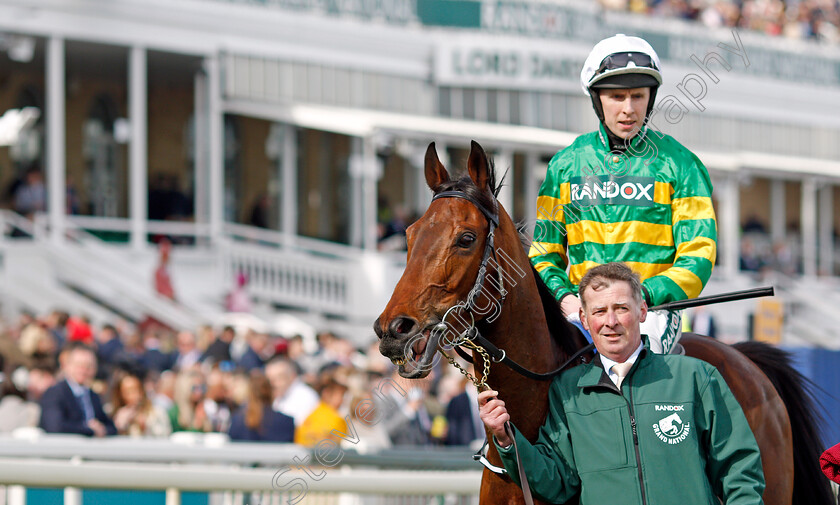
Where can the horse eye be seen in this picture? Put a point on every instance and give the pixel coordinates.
(466, 240)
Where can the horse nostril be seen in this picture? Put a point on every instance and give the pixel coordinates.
(377, 328)
(402, 326)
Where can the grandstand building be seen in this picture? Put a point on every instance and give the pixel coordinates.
(198, 119)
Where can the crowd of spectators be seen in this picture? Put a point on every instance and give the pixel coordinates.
(62, 374)
(797, 19)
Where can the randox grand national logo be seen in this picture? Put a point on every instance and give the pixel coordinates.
(671, 429)
(608, 189)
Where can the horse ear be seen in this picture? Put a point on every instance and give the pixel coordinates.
(477, 166)
(436, 173)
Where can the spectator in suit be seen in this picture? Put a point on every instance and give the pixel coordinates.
(291, 395)
(464, 424)
(153, 358)
(257, 421)
(252, 359)
(109, 350)
(188, 353)
(219, 350)
(70, 406)
(408, 417)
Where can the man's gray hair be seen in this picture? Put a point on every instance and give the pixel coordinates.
(608, 273)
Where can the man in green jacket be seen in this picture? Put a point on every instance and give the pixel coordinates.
(626, 192)
(633, 427)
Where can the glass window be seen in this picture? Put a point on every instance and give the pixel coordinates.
(492, 106)
(324, 185)
(445, 101)
(469, 104)
(105, 179)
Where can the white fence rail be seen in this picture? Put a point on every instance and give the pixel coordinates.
(116, 475)
(232, 473)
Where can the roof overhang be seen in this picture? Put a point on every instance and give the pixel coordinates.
(459, 132)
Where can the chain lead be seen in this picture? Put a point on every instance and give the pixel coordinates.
(480, 384)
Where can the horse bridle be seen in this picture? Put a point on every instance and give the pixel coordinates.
(471, 337)
(489, 247)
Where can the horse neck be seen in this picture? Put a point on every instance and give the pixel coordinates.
(522, 332)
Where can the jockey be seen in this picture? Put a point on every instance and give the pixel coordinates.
(628, 193)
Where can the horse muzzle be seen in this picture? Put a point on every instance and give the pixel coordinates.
(409, 346)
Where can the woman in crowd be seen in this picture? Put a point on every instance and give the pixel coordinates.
(257, 421)
(133, 412)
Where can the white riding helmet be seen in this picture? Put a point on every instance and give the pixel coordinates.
(621, 55)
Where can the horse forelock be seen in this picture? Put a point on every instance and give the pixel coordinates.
(464, 184)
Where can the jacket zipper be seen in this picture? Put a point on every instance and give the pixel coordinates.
(636, 443)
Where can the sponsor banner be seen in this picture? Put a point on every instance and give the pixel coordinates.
(608, 189)
(391, 11)
(577, 24)
(491, 63)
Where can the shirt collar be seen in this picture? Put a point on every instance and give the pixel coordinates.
(607, 363)
(75, 387)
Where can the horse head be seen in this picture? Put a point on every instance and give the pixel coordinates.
(447, 248)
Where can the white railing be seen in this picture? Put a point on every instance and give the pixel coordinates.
(208, 463)
(291, 278)
(271, 486)
(282, 269)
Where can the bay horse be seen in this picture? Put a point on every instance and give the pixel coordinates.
(465, 252)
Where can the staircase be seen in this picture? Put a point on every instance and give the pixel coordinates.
(334, 286)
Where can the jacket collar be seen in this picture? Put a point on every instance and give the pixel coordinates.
(596, 376)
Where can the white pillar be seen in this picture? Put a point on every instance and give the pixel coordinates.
(16, 495)
(216, 158)
(729, 226)
(355, 166)
(808, 226)
(138, 147)
(72, 496)
(778, 210)
(173, 496)
(503, 162)
(56, 123)
(201, 149)
(367, 179)
(532, 189)
(289, 176)
(826, 231)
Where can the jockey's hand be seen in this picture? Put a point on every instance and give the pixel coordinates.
(571, 307)
(494, 415)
